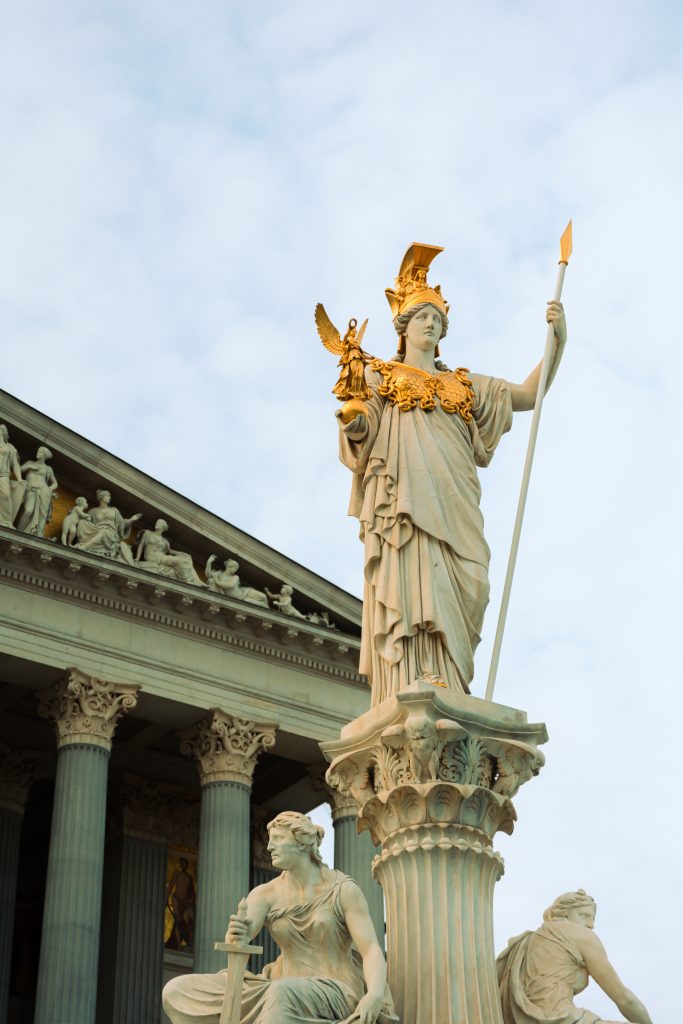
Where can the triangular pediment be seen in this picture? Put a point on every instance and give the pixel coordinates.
(82, 468)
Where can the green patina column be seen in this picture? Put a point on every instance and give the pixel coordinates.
(133, 905)
(262, 871)
(17, 772)
(85, 712)
(354, 853)
(226, 750)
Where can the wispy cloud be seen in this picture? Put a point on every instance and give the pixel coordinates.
(180, 185)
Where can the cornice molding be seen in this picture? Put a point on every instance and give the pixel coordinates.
(33, 562)
(101, 464)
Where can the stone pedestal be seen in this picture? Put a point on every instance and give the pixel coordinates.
(433, 774)
(85, 712)
(226, 750)
(17, 772)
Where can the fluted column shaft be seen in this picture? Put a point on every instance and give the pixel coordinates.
(433, 775)
(223, 868)
(85, 712)
(226, 749)
(270, 947)
(67, 975)
(17, 772)
(131, 964)
(353, 854)
(438, 883)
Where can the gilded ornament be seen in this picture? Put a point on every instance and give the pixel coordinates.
(411, 286)
(351, 388)
(407, 387)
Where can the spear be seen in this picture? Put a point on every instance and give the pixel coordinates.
(565, 253)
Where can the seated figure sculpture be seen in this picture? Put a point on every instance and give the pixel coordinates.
(330, 968)
(226, 581)
(155, 554)
(540, 972)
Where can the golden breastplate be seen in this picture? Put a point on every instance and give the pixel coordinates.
(408, 387)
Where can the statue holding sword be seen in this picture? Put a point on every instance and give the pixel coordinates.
(330, 968)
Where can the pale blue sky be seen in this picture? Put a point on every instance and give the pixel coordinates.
(181, 183)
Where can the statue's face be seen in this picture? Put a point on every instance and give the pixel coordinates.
(284, 850)
(583, 915)
(424, 329)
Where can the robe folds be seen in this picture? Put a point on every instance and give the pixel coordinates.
(539, 974)
(416, 494)
(317, 979)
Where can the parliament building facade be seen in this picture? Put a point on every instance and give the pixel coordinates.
(158, 706)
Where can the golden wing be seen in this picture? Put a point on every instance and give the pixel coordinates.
(329, 335)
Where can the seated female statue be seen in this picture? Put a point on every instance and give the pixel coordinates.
(226, 581)
(330, 968)
(540, 972)
(104, 531)
(155, 554)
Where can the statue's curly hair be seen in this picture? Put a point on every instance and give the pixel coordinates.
(305, 832)
(567, 902)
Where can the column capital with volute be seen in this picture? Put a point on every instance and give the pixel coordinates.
(18, 771)
(225, 747)
(85, 709)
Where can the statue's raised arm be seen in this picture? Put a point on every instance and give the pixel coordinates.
(414, 445)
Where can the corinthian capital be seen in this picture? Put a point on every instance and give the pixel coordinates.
(343, 805)
(85, 709)
(17, 771)
(226, 748)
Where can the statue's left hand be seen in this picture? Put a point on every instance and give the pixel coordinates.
(367, 1011)
(555, 316)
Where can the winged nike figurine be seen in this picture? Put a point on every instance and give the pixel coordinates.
(351, 386)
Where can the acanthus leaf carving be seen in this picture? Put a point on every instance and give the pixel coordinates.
(226, 748)
(85, 709)
(18, 770)
(466, 762)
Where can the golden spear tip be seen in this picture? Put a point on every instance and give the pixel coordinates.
(566, 244)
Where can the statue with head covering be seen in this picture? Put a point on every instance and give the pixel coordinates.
(413, 433)
(540, 972)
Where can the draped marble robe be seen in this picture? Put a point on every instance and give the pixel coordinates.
(416, 494)
(540, 973)
(317, 979)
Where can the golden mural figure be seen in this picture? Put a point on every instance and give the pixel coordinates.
(413, 441)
